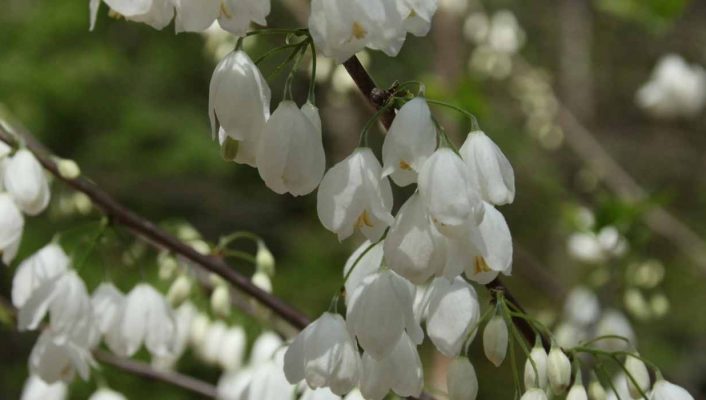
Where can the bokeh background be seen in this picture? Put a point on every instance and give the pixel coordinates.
(129, 104)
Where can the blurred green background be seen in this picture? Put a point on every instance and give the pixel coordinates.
(129, 104)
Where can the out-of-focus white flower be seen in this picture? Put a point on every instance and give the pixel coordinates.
(179, 291)
(489, 169)
(664, 390)
(220, 301)
(400, 371)
(536, 373)
(461, 380)
(581, 306)
(290, 153)
(264, 260)
(596, 390)
(620, 384)
(56, 359)
(265, 347)
(568, 334)
(495, 340)
(11, 226)
(268, 380)
(209, 349)
(319, 394)
(353, 196)
(534, 394)
(195, 15)
(39, 268)
(36, 389)
(475, 27)
(577, 392)
(675, 89)
(232, 348)
(364, 261)
(640, 382)
(452, 314)
(262, 281)
(106, 394)
(380, 310)
(410, 140)
(184, 316)
(558, 370)
(325, 355)
(505, 34)
(614, 323)
(24, 180)
(108, 303)
(584, 246)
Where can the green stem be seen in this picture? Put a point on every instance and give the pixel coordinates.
(312, 83)
(363, 142)
(240, 255)
(474, 121)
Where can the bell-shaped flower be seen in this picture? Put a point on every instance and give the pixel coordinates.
(107, 394)
(413, 246)
(11, 226)
(24, 180)
(410, 140)
(65, 298)
(364, 261)
(36, 389)
(380, 310)
(581, 306)
(577, 392)
(536, 368)
(461, 380)
(233, 385)
(558, 370)
(39, 268)
(325, 355)
(239, 102)
(489, 168)
(417, 15)
(640, 382)
(195, 15)
(146, 317)
(155, 13)
(352, 195)
(184, 316)
(108, 303)
(237, 15)
(265, 348)
(390, 35)
(452, 315)
(664, 390)
(495, 340)
(534, 394)
(615, 323)
(446, 188)
(269, 381)
(319, 394)
(290, 153)
(210, 348)
(232, 348)
(400, 371)
(58, 360)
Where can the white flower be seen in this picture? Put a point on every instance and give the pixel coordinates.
(319, 394)
(265, 347)
(24, 180)
(675, 89)
(577, 392)
(388, 36)
(146, 318)
(379, 311)
(237, 15)
(446, 189)
(409, 142)
(107, 394)
(290, 154)
(461, 380)
(614, 323)
(58, 360)
(352, 195)
(43, 265)
(621, 385)
(179, 290)
(664, 390)
(264, 260)
(596, 391)
(269, 382)
(108, 303)
(364, 261)
(210, 348)
(505, 34)
(325, 354)
(413, 246)
(495, 340)
(220, 301)
(399, 371)
(536, 374)
(489, 168)
(156, 13)
(534, 394)
(11, 226)
(452, 314)
(233, 385)
(195, 15)
(558, 370)
(239, 102)
(637, 369)
(184, 316)
(417, 15)
(582, 306)
(232, 348)
(36, 389)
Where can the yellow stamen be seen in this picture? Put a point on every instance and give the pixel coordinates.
(225, 11)
(405, 165)
(358, 31)
(481, 265)
(363, 220)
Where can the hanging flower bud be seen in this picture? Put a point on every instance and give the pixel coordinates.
(379, 312)
(536, 374)
(596, 391)
(577, 392)
(495, 340)
(409, 142)
(198, 329)
(489, 168)
(179, 290)
(664, 390)
(534, 394)
(353, 196)
(47, 263)
(264, 260)
(220, 301)
(290, 153)
(461, 380)
(262, 281)
(382, 375)
(11, 226)
(239, 102)
(36, 389)
(325, 355)
(413, 246)
(640, 382)
(558, 370)
(24, 180)
(107, 394)
(452, 314)
(446, 189)
(209, 350)
(232, 349)
(68, 169)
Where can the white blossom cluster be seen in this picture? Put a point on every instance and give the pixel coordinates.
(497, 38)
(675, 89)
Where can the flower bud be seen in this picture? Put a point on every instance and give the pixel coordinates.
(264, 259)
(261, 280)
(536, 375)
(179, 290)
(220, 301)
(461, 380)
(597, 391)
(534, 394)
(577, 392)
(198, 329)
(640, 382)
(664, 390)
(68, 169)
(495, 339)
(167, 265)
(558, 370)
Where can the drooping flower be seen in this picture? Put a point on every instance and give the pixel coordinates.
(39, 268)
(108, 303)
(319, 394)
(36, 389)
(156, 13)
(379, 312)
(413, 246)
(11, 226)
(184, 316)
(417, 15)
(615, 323)
(534, 394)
(232, 348)
(536, 369)
(582, 306)
(577, 392)
(489, 168)
(56, 359)
(558, 370)
(290, 153)
(237, 15)
(400, 371)
(325, 355)
(409, 142)
(640, 382)
(364, 261)
(24, 180)
(461, 380)
(353, 196)
(446, 188)
(195, 15)
(495, 340)
(268, 380)
(664, 390)
(107, 394)
(239, 102)
(453, 313)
